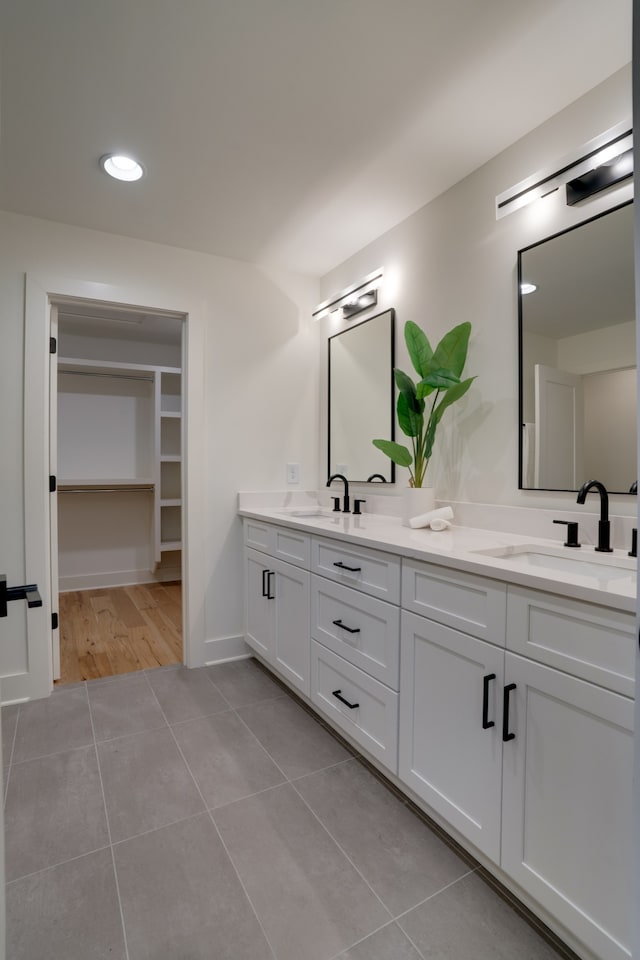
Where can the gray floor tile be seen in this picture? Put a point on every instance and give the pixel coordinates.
(182, 900)
(225, 758)
(146, 783)
(54, 724)
(311, 901)
(408, 862)
(243, 682)
(389, 943)
(185, 694)
(54, 811)
(297, 742)
(123, 707)
(469, 922)
(69, 912)
(9, 721)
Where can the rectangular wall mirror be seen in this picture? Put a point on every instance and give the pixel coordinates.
(577, 357)
(361, 363)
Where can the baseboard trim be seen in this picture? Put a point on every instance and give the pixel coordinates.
(225, 649)
(120, 578)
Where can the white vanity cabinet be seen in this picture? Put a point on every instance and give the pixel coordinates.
(277, 599)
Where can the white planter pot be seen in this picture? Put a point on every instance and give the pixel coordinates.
(416, 501)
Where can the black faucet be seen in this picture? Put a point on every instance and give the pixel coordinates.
(634, 487)
(376, 476)
(345, 500)
(604, 527)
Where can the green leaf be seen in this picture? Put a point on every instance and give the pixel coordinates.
(440, 378)
(453, 394)
(395, 452)
(423, 390)
(407, 389)
(451, 352)
(418, 346)
(410, 420)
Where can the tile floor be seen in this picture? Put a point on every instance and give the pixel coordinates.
(205, 815)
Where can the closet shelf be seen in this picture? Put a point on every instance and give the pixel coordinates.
(171, 502)
(170, 458)
(167, 545)
(105, 483)
(76, 365)
(170, 414)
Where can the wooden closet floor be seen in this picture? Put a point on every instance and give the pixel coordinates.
(118, 630)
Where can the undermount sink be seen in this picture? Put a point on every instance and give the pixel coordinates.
(587, 564)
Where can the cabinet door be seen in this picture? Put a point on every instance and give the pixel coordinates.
(450, 684)
(567, 817)
(291, 651)
(259, 603)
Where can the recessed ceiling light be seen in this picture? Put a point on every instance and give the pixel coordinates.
(527, 288)
(121, 167)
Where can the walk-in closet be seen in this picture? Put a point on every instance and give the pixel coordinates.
(116, 432)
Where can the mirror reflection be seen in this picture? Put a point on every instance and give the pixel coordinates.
(577, 357)
(361, 398)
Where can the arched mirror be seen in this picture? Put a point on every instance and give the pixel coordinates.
(577, 356)
(361, 362)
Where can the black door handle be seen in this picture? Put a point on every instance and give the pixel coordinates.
(505, 713)
(270, 573)
(337, 695)
(28, 592)
(339, 623)
(486, 723)
(343, 566)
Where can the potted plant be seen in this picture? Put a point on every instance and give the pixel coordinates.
(421, 404)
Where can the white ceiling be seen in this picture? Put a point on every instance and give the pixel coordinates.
(285, 132)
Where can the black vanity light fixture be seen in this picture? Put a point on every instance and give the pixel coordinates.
(601, 163)
(353, 299)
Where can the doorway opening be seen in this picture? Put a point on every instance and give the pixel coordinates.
(116, 446)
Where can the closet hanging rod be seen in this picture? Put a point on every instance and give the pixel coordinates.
(106, 489)
(108, 376)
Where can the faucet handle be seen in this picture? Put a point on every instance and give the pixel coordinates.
(356, 507)
(336, 504)
(572, 533)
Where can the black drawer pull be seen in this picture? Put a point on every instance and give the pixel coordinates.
(505, 713)
(343, 566)
(265, 589)
(270, 573)
(337, 695)
(339, 623)
(486, 723)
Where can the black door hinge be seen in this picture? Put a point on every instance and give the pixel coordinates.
(52, 484)
(53, 345)
(54, 621)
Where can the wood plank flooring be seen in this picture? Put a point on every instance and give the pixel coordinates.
(118, 630)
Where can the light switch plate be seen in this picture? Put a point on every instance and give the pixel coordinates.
(293, 473)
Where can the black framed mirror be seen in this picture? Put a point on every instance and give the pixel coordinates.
(361, 393)
(577, 356)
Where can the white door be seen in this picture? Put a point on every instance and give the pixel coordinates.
(559, 429)
(53, 503)
(292, 651)
(567, 802)
(259, 603)
(450, 726)
(3, 925)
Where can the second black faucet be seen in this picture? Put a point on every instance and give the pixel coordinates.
(345, 499)
(604, 526)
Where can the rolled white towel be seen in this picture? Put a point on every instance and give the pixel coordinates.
(424, 520)
(439, 524)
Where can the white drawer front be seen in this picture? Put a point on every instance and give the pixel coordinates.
(464, 601)
(371, 571)
(258, 535)
(591, 642)
(288, 544)
(363, 630)
(373, 723)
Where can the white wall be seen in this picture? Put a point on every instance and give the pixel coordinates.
(261, 389)
(452, 261)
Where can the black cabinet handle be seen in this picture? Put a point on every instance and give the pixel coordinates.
(270, 573)
(505, 713)
(264, 583)
(343, 566)
(337, 695)
(339, 623)
(486, 723)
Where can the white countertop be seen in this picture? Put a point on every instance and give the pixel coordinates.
(456, 548)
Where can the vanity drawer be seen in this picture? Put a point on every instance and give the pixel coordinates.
(373, 723)
(464, 601)
(586, 640)
(287, 544)
(369, 634)
(371, 571)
